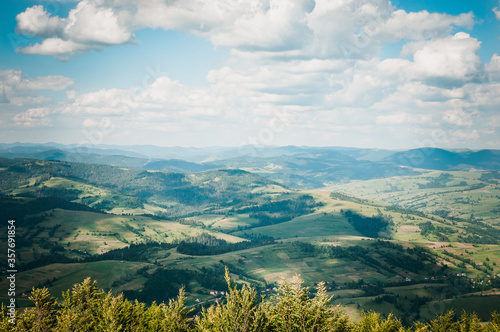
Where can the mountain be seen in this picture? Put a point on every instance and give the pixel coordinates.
(315, 168)
(440, 159)
(106, 187)
(294, 166)
(102, 156)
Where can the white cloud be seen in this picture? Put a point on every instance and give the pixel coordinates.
(53, 83)
(92, 23)
(104, 97)
(275, 25)
(163, 96)
(403, 118)
(458, 117)
(34, 117)
(463, 136)
(493, 68)
(89, 26)
(35, 21)
(286, 58)
(497, 11)
(56, 47)
(422, 25)
(452, 59)
(20, 89)
(311, 28)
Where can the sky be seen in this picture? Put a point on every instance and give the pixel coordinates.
(358, 73)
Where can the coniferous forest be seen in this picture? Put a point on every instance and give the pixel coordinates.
(294, 307)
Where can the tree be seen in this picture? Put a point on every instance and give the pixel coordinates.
(42, 317)
(79, 310)
(243, 311)
(294, 310)
(372, 322)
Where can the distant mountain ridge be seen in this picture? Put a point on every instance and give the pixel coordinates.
(444, 160)
(293, 166)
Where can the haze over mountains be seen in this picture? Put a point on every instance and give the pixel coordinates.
(297, 167)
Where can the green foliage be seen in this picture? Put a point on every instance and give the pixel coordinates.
(206, 244)
(373, 322)
(368, 226)
(79, 310)
(291, 309)
(42, 316)
(294, 310)
(243, 311)
(281, 211)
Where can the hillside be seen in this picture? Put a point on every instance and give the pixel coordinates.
(391, 244)
(439, 159)
(292, 166)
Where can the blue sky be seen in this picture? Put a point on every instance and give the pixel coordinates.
(364, 73)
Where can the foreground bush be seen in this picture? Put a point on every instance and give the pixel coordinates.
(87, 308)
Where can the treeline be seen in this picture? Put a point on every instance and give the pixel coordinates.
(164, 284)
(21, 211)
(64, 193)
(480, 233)
(292, 308)
(195, 191)
(280, 211)
(427, 228)
(437, 182)
(484, 267)
(389, 256)
(206, 244)
(367, 226)
(141, 252)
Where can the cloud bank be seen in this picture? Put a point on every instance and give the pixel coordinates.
(316, 63)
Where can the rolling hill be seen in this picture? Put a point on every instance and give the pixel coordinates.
(384, 237)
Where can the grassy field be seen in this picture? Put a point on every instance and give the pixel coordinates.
(461, 193)
(60, 277)
(380, 283)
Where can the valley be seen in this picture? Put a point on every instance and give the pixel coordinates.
(384, 236)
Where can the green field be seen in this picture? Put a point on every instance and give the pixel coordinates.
(408, 265)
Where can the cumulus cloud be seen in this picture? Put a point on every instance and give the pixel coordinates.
(493, 68)
(311, 28)
(34, 117)
(164, 96)
(497, 11)
(450, 60)
(20, 89)
(422, 25)
(314, 63)
(35, 21)
(91, 25)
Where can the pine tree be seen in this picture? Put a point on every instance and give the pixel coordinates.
(373, 322)
(294, 310)
(243, 311)
(5, 325)
(42, 317)
(79, 310)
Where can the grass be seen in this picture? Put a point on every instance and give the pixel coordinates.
(457, 195)
(92, 232)
(66, 275)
